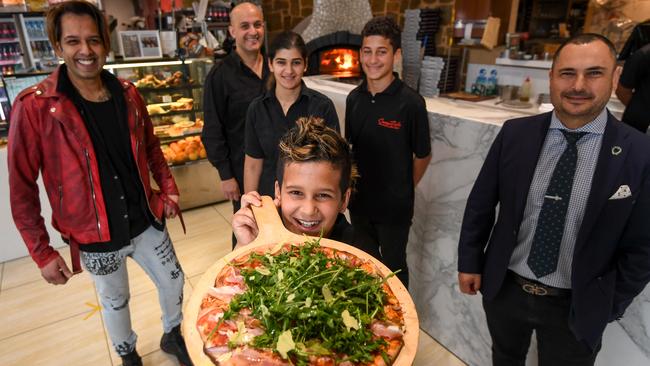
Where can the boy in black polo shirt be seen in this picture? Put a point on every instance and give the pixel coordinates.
(387, 126)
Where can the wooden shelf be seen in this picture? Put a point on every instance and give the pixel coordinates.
(170, 88)
(175, 113)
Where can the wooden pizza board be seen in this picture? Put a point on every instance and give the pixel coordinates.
(467, 96)
(271, 232)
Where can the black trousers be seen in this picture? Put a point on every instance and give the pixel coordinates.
(513, 315)
(392, 240)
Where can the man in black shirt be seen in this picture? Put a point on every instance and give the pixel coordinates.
(229, 89)
(634, 89)
(386, 123)
(89, 135)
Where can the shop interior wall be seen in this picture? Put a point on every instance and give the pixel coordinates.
(286, 14)
(122, 10)
(637, 10)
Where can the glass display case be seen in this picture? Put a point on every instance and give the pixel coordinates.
(173, 91)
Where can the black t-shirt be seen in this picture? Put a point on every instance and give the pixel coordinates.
(123, 193)
(344, 232)
(636, 75)
(230, 87)
(266, 124)
(385, 131)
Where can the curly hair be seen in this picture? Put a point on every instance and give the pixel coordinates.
(386, 27)
(312, 141)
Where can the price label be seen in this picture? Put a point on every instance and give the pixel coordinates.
(167, 98)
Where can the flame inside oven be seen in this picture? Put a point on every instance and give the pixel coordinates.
(340, 62)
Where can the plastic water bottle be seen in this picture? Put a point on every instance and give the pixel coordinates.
(480, 85)
(492, 83)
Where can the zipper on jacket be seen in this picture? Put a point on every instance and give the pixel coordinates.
(92, 190)
(60, 199)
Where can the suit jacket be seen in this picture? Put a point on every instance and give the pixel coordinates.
(611, 259)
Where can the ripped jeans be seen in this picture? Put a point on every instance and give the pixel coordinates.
(154, 252)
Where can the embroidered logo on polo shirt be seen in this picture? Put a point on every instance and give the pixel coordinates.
(394, 125)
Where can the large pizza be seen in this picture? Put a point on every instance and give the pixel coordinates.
(301, 304)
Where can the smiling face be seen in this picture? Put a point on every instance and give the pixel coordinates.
(247, 27)
(81, 47)
(377, 58)
(311, 197)
(287, 67)
(581, 82)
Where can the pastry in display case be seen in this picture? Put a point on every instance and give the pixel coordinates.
(173, 92)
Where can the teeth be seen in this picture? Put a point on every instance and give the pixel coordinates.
(308, 224)
(86, 62)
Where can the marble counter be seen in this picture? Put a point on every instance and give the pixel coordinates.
(461, 134)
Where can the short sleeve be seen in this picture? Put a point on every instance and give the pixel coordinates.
(329, 113)
(252, 146)
(420, 136)
(635, 68)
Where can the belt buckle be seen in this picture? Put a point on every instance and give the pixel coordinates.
(534, 289)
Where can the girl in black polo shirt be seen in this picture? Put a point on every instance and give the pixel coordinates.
(274, 113)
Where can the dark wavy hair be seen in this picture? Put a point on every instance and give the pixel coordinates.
(285, 41)
(386, 27)
(312, 141)
(56, 12)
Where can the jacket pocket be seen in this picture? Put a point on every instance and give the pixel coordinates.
(606, 282)
(157, 205)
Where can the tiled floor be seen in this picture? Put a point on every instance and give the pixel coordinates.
(42, 324)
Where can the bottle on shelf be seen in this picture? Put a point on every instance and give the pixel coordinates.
(524, 92)
(492, 83)
(480, 85)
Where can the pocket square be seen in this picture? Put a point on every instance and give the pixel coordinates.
(622, 192)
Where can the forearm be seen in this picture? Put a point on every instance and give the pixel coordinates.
(213, 135)
(252, 173)
(419, 168)
(624, 94)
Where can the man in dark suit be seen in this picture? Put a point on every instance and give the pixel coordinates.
(570, 248)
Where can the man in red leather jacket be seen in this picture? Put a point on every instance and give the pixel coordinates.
(89, 135)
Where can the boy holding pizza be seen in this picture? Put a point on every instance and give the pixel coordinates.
(315, 175)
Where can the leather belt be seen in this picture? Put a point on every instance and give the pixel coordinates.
(537, 288)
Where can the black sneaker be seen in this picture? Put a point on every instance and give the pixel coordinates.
(131, 359)
(174, 344)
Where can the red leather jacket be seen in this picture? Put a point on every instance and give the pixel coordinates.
(48, 135)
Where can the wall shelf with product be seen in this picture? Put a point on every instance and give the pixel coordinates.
(543, 19)
(189, 31)
(173, 92)
(11, 54)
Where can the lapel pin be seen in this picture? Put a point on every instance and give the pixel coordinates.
(616, 150)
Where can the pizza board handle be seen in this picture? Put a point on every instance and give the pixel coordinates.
(271, 228)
